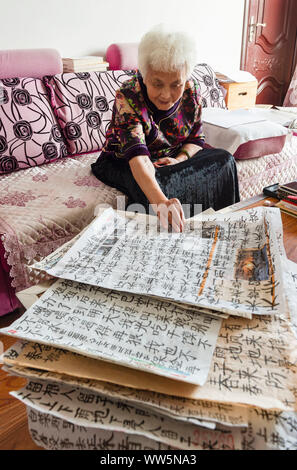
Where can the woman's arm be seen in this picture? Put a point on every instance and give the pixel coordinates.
(191, 149)
(144, 174)
(168, 210)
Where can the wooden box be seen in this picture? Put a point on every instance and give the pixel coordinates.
(240, 95)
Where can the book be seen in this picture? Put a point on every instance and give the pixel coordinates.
(290, 201)
(287, 207)
(82, 60)
(290, 188)
(80, 66)
(93, 68)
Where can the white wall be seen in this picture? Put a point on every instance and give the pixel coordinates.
(87, 27)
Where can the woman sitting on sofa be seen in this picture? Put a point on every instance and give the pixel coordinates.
(154, 150)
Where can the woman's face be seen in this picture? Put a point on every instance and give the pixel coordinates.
(164, 89)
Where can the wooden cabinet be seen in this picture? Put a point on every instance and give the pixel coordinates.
(240, 95)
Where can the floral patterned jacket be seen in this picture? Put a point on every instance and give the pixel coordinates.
(137, 127)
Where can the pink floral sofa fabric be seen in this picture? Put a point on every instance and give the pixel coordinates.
(29, 133)
(83, 104)
(256, 173)
(44, 207)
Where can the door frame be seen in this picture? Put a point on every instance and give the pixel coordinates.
(244, 34)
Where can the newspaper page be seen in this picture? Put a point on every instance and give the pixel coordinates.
(226, 262)
(86, 408)
(131, 330)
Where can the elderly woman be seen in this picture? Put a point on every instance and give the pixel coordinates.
(154, 151)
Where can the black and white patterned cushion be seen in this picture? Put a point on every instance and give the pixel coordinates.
(83, 103)
(210, 89)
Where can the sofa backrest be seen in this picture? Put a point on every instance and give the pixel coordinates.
(68, 114)
(83, 103)
(29, 133)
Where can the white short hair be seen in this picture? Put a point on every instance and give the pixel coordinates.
(166, 51)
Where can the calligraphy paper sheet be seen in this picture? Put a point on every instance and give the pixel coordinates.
(215, 412)
(290, 281)
(265, 431)
(38, 270)
(254, 363)
(131, 330)
(226, 262)
(269, 430)
(99, 388)
(86, 408)
(54, 433)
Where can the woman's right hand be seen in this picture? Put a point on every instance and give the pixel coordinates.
(170, 212)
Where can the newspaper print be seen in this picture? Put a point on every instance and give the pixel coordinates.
(229, 263)
(131, 330)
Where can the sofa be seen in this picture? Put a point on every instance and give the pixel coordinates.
(52, 127)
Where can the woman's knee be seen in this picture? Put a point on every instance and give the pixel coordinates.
(224, 154)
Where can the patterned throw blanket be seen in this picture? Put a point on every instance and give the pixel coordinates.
(44, 207)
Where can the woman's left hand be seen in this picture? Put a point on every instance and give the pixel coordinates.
(165, 161)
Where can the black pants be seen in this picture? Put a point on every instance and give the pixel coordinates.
(208, 179)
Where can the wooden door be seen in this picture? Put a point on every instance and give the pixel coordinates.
(269, 46)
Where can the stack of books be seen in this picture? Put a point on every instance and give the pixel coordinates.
(288, 195)
(84, 64)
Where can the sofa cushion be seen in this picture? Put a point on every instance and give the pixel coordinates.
(244, 141)
(30, 63)
(210, 89)
(122, 56)
(83, 104)
(29, 133)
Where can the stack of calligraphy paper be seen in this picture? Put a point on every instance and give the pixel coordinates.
(135, 338)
